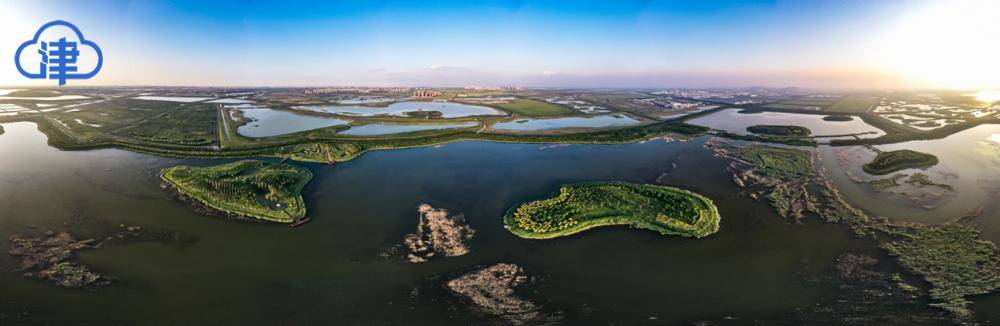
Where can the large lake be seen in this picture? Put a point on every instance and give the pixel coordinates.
(331, 271)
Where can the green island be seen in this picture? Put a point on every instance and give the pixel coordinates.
(579, 207)
(889, 162)
(254, 189)
(838, 118)
(780, 130)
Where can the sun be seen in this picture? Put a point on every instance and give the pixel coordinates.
(987, 96)
(951, 44)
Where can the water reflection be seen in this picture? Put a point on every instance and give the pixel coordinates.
(387, 129)
(969, 162)
(447, 109)
(268, 122)
(600, 121)
(734, 122)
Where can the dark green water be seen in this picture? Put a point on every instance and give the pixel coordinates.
(330, 271)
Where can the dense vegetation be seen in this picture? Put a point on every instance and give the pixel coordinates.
(889, 162)
(778, 162)
(255, 189)
(579, 207)
(779, 130)
(787, 140)
(188, 125)
(530, 107)
(951, 257)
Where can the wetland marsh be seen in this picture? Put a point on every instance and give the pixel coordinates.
(335, 262)
(787, 209)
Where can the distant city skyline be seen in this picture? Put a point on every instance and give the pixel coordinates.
(622, 44)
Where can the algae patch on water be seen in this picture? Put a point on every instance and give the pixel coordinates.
(254, 189)
(578, 207)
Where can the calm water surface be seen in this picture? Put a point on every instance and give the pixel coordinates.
(969, 161)
(447, 109)
(268, 122)
(734, 122)
(373, 129)
(331, 271)
(567, 122)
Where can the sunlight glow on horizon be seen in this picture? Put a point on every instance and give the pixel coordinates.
(951, 44)
(863, 45)
(987, 96)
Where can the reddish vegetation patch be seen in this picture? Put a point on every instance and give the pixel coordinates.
(437, 234)
(491, 292)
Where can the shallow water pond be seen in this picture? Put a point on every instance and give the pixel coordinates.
(268, 122)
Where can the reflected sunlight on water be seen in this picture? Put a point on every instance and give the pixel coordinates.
(987, 96)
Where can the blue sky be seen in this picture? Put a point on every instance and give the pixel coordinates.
(442, 43)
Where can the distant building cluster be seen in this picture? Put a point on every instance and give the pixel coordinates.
(493, 88)
(389, 90)
(425, 93)
(667, 103)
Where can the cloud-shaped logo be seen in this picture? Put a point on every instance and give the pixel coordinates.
(59, 54)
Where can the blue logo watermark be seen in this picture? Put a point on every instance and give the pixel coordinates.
(59, 54)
